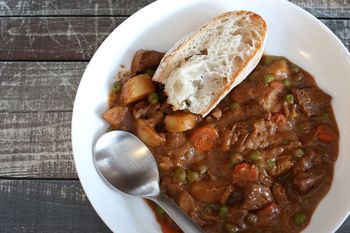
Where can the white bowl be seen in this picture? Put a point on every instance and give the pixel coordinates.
(293, 33)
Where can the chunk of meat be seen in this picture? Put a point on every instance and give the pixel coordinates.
(309, 160)
(267, 214)
(228, 138)
(311, 100)
(186, 202)
(280, 195)
(283, 164)
(256, 196)
(244, 173)
(279, 69)
(309, 179)
(118, 117)
(144, 59)
(326, 134)
(148, 134)
(269, 96)
(175, 140)
(207, 191)
(244, 92)
(144, 110)
(236, 216)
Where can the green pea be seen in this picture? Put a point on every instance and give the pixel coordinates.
(270, 164)
(269, 78)
(295, 69)
(236, 158)
(268, 60)
(230, 228)
(285, 141)
(298, 153)
(223, 211)
(203, 169)
(117, 86)
(192, 176)
(153, 98)
(208, 209)
(255, 156)
(286, 82)
(252, 218)
(289, 99)
(149, 72)
(234, 106)
(299, 218)
(324, 116)
(180, 175)
(160, 210)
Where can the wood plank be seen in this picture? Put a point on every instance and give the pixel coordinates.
(325, 8)
(62, 38)
(341, 28)
(71, 7)
(36, 145)
(320, 8)
(39, 86)
(33, 206)
(76, 38)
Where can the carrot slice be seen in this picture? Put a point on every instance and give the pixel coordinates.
(245, 172)
(325, 134)
(204, 138)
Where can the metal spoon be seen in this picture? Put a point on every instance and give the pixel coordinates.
(125, 163)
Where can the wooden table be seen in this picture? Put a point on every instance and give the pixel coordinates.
(44, 49)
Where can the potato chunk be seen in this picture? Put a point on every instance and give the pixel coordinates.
(136, 88)
(180, 122)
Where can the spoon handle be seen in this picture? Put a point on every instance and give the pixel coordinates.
(181, 219)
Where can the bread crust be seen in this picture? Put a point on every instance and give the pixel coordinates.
(173, 59)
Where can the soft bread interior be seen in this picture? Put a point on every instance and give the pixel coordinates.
(204, 66)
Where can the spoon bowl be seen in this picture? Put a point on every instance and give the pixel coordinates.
(127, 165)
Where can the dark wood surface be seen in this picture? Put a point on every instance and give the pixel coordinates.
(44, 48)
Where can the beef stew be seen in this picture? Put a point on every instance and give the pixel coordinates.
(261, 161)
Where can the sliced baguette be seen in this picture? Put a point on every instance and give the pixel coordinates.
(205, 65)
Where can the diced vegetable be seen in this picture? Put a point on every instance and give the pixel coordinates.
(136, 88)
(325, 134)
(255, 156)
(204, 138)
(223, 211)
(298, 153)
(117, 86)
(180, 121)
(148, 134)
(286, 82)
(149, 72)
(299, 218)
(252, 218)
(230, 228)
(269, 78)
(270, 164)
(268, 60)
(236, 158)
(153, 98)
(192, 176)
(234, 106)
(289, 99)
(180, 175)
(245, 172)
(116, 115)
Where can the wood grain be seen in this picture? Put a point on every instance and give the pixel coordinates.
(35, 206)
(36, 145)
(62, 38)
(39, 86)
(76, 38)
(319, 8)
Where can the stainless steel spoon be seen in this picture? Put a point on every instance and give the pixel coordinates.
(125, 163)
